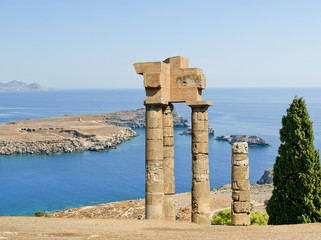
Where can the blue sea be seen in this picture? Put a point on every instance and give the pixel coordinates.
(30, 183)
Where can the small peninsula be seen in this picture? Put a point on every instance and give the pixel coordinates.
(73, 133)
(251, 140)
(18, 86)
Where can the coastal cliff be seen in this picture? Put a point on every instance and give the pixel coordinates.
(73, 133)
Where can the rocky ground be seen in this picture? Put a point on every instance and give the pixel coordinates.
(31, 228)
(135, 209)
(125, 220)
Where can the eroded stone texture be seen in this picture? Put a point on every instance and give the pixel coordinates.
(240, 185)
(154, 195)
(201, 213)
(168, 164)
(172, 80)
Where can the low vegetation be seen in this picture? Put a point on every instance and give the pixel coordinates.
(224, 218)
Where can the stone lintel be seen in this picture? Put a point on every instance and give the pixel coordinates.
(199, 103)
(155, 102)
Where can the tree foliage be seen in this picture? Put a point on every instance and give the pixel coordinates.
(296, 197)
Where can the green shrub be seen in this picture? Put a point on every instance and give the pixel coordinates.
(224, 218)
(47, 214)
(39, 214)
(259, 218)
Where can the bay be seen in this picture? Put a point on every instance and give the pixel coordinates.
(52, 182)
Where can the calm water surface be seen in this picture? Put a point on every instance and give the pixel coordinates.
(52, 182)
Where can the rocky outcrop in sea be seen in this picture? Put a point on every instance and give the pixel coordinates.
(267, 177)
(251, 140)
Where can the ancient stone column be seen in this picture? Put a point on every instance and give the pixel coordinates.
(168, 164)
(201, 212)
(240, 185)
(154, 189)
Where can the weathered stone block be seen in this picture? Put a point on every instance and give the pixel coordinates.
(154, 143)
(200, 189)
(169, 187)
(167, 122)
(242, 185)
(154, 154)
(152, 80)
(168, 152)
(154, 206)
(241, 207)
(168, 141)
(199, 126)
(240, 172)
(154, 122)
(240, 163)
(169, 207)
(199, 147)
(242, 196)
(202, 219)
(153, 111)
(240, 219)
(200, 167)
(240, 148)
(154, 134)
(168, 132)
(200, 158)
(240, 159)
(154, 187)
(200, 137)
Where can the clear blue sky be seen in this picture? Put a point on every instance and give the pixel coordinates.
(93, 43)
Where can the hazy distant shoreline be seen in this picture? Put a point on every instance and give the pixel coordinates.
(18, 86)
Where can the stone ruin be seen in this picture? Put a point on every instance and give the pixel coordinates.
(240, 185)
(167, 82)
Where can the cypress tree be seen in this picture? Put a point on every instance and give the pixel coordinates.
(296, 197)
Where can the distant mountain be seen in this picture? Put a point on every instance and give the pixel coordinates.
(17, 86)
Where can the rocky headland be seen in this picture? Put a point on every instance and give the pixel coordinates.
(251, 140)
(18, 86)
(267, 177)
(136, 118)
(72, 133)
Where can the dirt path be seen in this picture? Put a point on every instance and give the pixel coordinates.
(31, 228)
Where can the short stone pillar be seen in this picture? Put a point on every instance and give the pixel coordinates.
(168, 164)
(240, 185)
(201, 212)
(154, 188)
